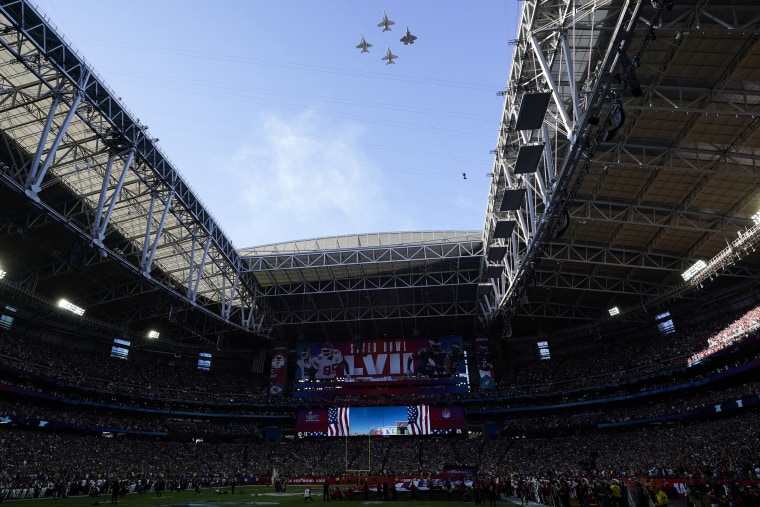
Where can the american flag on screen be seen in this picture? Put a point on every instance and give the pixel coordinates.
(419, 419)
(337, 422)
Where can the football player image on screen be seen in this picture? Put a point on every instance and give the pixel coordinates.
(485, 365)
(306, 366)
(328, 362)
(276, 375)
(430, 360)
(454, 358)
(278, 362)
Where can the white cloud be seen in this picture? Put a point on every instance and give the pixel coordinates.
(305, 178)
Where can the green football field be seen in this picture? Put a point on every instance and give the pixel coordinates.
(263, 496)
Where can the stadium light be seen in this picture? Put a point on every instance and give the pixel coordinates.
(614, 311)
(153, 334)
(543, 350)
(2, 274)
(692, 271)
(756, 217)
(70, 307)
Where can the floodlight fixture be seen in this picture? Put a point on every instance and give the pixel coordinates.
(543, 350)
(2, 274)
(614, 311)
(756, 217)
(66, 305)
(153, 334)
(692, 271)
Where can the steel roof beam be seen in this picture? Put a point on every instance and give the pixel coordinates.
(606, 211)
(357, 257)
(374, 313)
(552, 67)
(55, 66)
(616, 257)
(368, 283)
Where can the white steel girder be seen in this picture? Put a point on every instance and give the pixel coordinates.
(390, 281)
(567, 48)
(425, 253)
(64, 127)
(351, 281)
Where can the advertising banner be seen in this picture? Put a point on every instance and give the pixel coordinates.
(484, 360)
(278, 372)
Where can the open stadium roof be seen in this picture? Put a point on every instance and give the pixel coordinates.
(627, 151)
(372, 285)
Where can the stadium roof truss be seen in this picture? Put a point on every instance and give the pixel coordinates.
(627, 149)
(370, 278)
(548, 103)
(72, 148)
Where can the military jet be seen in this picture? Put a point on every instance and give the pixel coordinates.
(364, 45)
(408, 38)
(389, 57)
(385, 23)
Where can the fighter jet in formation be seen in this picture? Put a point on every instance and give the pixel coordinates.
(408, 38)
(389, 57)
(363, 45)
(385, 23)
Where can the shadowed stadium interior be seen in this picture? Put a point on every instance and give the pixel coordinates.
(623, 205)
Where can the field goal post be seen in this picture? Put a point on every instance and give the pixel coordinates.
(369, 457)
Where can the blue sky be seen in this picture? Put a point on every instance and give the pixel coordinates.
(364, 419)
(286, 131)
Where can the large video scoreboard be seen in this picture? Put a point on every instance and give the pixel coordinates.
(400, 366)
(380, 421)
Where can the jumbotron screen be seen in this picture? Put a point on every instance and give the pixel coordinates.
(380, 421)
(400, 366)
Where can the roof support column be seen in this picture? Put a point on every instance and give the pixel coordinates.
(570, 77)
(227, 299)
(552, 85)
(548, 156)
(37, 172)
(146, 262)
(196, 270)
(100, 222)
(34, 169)
(247, 315)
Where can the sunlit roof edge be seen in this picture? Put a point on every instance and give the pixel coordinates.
(367, 240)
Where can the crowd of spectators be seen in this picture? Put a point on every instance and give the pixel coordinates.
(104, 383)
(712, 449)
(733, 333)
(567, 420)
(141, 374)
(621, 361)
(91, 391)
(148, 382)
(573, 420)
